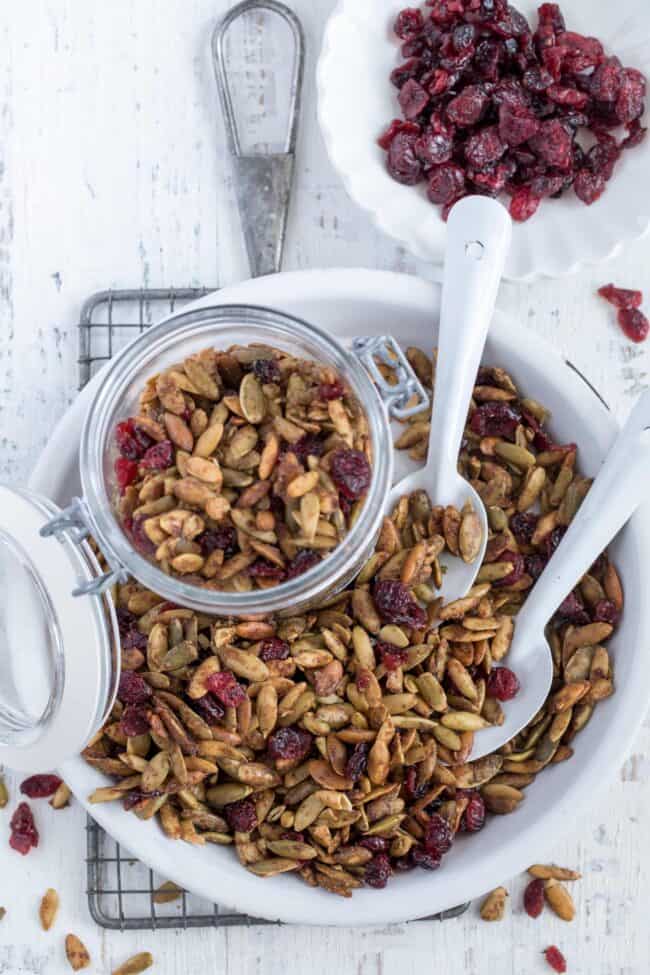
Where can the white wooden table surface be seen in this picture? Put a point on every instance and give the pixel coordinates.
(113, 173)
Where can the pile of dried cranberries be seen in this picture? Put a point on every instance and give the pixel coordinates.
(491, 106)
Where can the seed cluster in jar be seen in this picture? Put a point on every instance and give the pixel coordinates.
(243, 469)
(337, 744)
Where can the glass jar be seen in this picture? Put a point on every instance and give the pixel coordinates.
(56, 689)
(116, 399)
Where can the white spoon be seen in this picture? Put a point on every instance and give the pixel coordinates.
(619, 489)
(478, 239)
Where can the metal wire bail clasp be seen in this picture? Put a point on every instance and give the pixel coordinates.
(262, 181)
(398, 396)
(75, 523)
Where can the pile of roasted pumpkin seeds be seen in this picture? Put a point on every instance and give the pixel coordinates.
(337, 744)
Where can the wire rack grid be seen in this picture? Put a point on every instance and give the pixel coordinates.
(121, 890)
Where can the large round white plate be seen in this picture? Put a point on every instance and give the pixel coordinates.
(356, 101)
(351, 302)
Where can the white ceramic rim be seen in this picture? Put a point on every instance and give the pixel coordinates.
(410, 896)
(404, 218)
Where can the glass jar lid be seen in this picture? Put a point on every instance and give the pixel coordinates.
(60, 670)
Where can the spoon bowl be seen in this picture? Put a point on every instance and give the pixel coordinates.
(478, 238)
(618, 490)
(457, 576)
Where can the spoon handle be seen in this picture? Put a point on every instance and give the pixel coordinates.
(478, 238)
(618, 490)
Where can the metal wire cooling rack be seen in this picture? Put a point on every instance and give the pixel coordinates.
(120, 888)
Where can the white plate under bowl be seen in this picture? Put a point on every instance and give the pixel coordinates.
(356, 101)
(351, 302)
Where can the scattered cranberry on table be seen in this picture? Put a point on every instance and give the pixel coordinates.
(491, 105)
(630, 317)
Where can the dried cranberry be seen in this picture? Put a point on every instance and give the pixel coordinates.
(473, 819)
(208, 708)
(446, 183)
(290, 743)
(329, 391)
(403, 864)
(629, 103)
(40, 786)
(24, 834)
(395, 603)
(132, 688)
(402, 162)
(589, 186)
(436, 81)
(311, 445)
(553, 144)
(605, 83)
(486, 59)
(426, 859)
(563, 95)
(534, 898)
(350, 472)
(261, 569)
(534, 565)
(555, 958)
(545, 185)
(397, 125)
(522, 526)
(434, 148)
(621, 297)
(134, 640)
(517, 561)
(605, 612)
(226, 687)
(241, 816)
(142, 541)
(634, 323)
(494, 420)
(572, 609)
(502, 683)
(537, 79)
(517, 124)
(378, 871)
(414, 48)
(274, 649)
(484, 148)
(134, 721)
(438, 836)
(131, 440)
(406, 72)
(126, 472)
(524, 204)
(267, 370)
(222, 538)
(391, 656)
(409, 23)
(494, 179)
(159, 457)
(553, 539)
(357, 762)
(301, 562)
(413, 99)
(125, 620)
(636, 135)
(378, 844)
(467, 108)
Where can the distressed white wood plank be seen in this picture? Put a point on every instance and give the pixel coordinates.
(113, 172)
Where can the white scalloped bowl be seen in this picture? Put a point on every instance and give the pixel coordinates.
(356, 101)
(351, 302)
